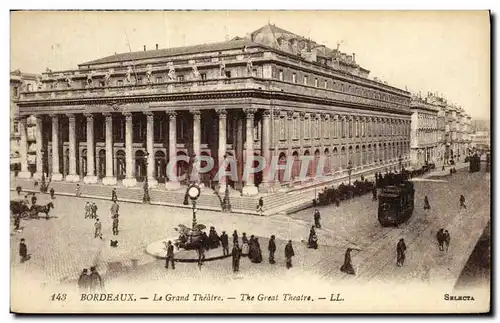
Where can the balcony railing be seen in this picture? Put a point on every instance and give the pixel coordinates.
(211, 85)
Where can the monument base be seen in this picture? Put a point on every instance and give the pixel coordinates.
(172, 186)
(74, 178)
(92, 179)
(57, 177)
(250, 190)
(24, 175)
(109, 181)
(129, 182)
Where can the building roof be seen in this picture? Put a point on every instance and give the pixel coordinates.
(175, 51)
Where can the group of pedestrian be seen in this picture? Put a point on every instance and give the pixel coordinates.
(90, 210)
(443, 238)
(92, 282)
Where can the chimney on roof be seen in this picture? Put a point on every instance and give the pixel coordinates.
(354, 57)
(156, 46)
(144, 47)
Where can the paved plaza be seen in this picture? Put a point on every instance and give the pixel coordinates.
(63, 245)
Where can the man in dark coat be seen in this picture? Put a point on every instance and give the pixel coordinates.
(52, 193)
(440, 239)
(289, 253)
(84, 282)
(97, 229)
(115, 209)
(400, 250)
(214, 238)
(115, 225)
(235, 237)
(114, 197)
(427, 206)
(317, 217)
(260, 207)
(224, 239)
(462, 202)
(236, 254)
(272, 249)
(96, 282)
(170, 255)
(23, 251)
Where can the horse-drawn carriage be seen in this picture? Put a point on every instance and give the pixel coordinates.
(22, 210)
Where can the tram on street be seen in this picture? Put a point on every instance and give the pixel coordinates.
(474, 163)
(396, 204)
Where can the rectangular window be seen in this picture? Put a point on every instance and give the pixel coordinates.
(29, 87)
(101, 83)
(325, 84)
(294, 78)
(254, 72)
(16, 91)
(228, 74)
(16, 127)
(139, 80)
(282, 129)
(159, 79)
(280, 75)
(120, 82)
(180, 78)
(295, 128)
(306, 79)
(316, 82)
(203, 76)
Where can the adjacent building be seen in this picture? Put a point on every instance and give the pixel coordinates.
(19, 82)
(273, 93)
(425, 132)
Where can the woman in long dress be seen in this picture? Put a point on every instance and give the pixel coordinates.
(313, 239)
(251, 247)
(245, 248)
(347, 266)
(256, 255)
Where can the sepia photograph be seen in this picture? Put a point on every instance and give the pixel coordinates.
(222, 161)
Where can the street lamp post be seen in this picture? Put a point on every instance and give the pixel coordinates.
(43, 188)
(194, 192)
(400, 159)
(146, 199)
(349, 170)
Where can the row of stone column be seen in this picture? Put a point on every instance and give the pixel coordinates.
(129, 180)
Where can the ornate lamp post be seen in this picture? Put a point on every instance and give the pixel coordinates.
(193, 193)
(146, 199)
(226, 203)
(349, 170)
(400, 159)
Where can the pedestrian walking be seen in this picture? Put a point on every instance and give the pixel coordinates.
(462, 202)
(115, 209)
(400, 250)
(23, 251)
(272, 249)
(374, 193)
(78, 191)
(114, 197)
(260, 207)
(312, 241)
(235, 237)
(94, 210)
(170, 255)
(447, 239)
(87, 210)
(245, 247)
(440, 239)
(256, 252)
(33, 200)
(52, 193)
(317, 217)
(289, 253)
(115, 225)
(95, 281)
(347, 265)
(427, 206)
(97, 229)
(236, 255)
(84, 282)
(224, 240)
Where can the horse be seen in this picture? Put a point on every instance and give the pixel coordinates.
(35, 209)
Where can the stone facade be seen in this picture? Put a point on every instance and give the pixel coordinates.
(425, 136)
(123, 117)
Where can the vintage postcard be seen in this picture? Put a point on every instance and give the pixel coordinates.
(250, 162)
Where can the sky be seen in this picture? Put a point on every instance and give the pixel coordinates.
(446, 52)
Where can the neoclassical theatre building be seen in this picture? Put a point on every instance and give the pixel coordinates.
(272, 93)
